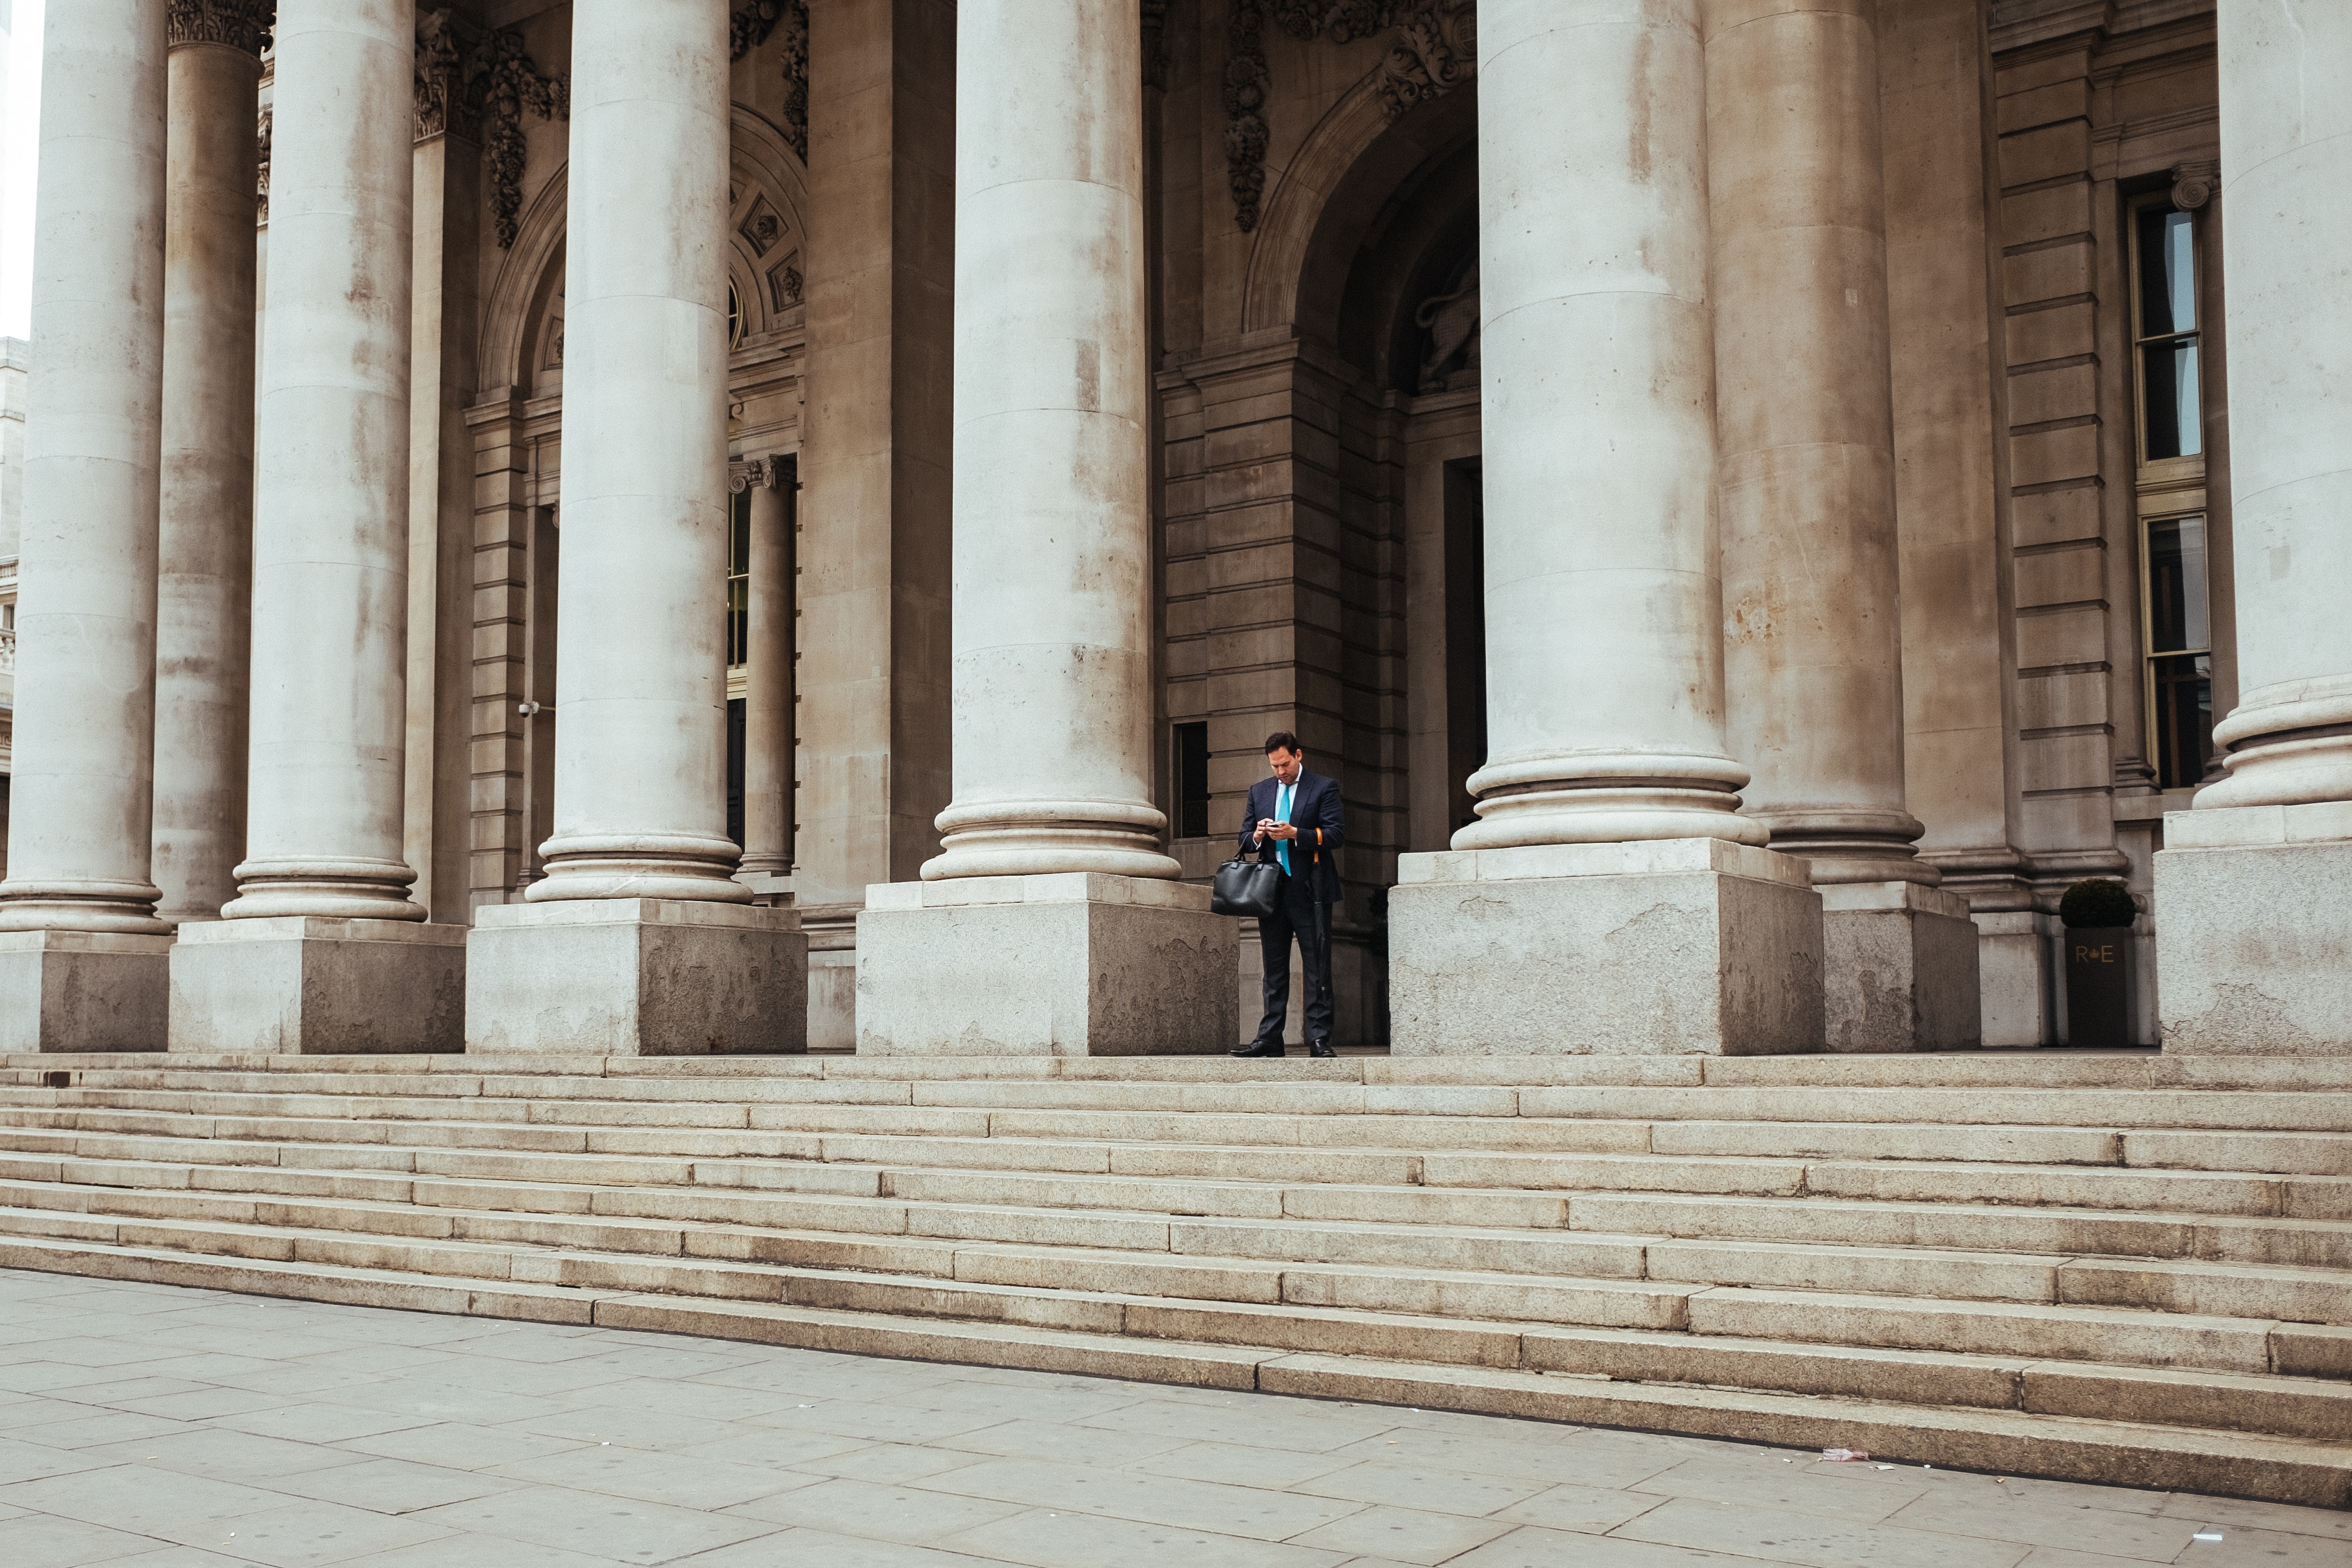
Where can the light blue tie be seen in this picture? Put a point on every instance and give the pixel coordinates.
(1282, 814)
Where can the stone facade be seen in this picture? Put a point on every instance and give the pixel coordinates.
(996, 418)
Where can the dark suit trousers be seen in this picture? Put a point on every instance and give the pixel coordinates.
(1295, 918)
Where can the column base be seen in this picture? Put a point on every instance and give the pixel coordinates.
(2254, 931)
(1899, 969)
(82, 991)
(1082, 964)
(636, 978)
(309, 986)
(1663, 947)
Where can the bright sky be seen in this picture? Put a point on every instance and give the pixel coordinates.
(19, 160)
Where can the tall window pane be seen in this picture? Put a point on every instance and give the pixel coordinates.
(738, 577)
(2167, 273)
(2176, 423)
(2176, 586)
(2179, 646)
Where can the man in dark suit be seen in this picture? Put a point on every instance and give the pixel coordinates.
(1295, 820)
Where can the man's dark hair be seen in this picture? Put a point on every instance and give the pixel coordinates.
(1282, 740)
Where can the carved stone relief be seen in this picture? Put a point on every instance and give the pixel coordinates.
(750, 26)
(1449, 359)
(1433, 49)
(240, 24)
(477, 89)
(261, 174)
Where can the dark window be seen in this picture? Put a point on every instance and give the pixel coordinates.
(738, 576)
(2179, 651)
(2171, 415)
(1191, 781)
(735, 770)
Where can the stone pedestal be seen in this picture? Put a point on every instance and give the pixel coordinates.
(312, 985)
(1074, 964)
(1899, 969)
(1658, 947)
(2253, 930)
(82, 991)
(636, 978)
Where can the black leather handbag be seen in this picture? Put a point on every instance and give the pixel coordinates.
(1247, 887)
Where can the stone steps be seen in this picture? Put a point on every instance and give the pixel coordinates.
(1459, 1271)
(1726, 1336)
(2266, 1437)
(2043, 1261)
(1099, 1209)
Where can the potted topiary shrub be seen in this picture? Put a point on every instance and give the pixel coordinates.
(2098, 914)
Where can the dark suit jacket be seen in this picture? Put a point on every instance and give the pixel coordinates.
(1322, 821)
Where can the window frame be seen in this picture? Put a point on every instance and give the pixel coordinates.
(2165, 489)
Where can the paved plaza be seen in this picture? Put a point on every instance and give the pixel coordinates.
(164, 1428)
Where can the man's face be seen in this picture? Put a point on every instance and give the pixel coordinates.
(1286, 764)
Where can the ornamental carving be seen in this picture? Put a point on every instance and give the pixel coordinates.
(240, 24)
(750, 26)
(509, 83)
(1433, 49)
(261, 171)
(1449, 359)
(479, 87)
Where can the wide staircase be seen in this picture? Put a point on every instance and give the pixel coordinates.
(2123, 1267)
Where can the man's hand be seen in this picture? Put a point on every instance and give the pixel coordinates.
(1271, 828)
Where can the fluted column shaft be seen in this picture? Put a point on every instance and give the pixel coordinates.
(1052, 607)
(205, 576)
(85, 728)
(2286, 138)
(331, 502)
(641, 661)
(1805, 435)
(1604, 646)
(768, 676)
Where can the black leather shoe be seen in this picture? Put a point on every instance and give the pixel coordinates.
(1320, 1049)
(1262, 1048)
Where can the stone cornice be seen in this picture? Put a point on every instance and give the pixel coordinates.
(239, 24)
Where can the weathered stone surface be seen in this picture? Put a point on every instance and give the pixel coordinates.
(304, 985)
(2254, 937)
(1657, 947)
(629, 977)
(1899, 968)
(1075, 965)
(82, 991)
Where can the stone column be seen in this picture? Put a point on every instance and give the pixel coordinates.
(768, 684)
(639, 940)
(322, 949)
(1609, 821)
(82, 956)
(1805, 454)
(1051, 921)
(1960, 671)
(205, 581)
(2253, 930)
(877, 434)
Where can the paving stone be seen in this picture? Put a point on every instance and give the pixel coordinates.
(391, 1486)
(1811, 1540)
(1404, 1534)
(621, 1529)
(2045, 1521)
(307, 1534)
(1422, 1487)
(40, 1540)
(1045, 1538)
(1256, 1513)
(914, 1514)
(695, 1480)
